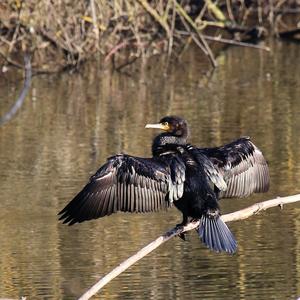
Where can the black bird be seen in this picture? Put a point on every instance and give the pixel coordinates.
(191, 178)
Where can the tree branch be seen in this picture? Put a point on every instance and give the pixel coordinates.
(238, 215)
(23, 94)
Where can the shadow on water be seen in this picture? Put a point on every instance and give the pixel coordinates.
(68, 127)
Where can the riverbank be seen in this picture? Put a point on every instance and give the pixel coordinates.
(65, 34)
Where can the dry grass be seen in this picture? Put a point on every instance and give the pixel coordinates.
(64, 33)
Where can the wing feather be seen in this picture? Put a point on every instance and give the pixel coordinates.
(243, 167)
(129, 184)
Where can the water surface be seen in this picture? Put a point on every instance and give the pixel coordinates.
(67, 127)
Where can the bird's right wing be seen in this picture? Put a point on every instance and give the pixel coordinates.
(130, 184)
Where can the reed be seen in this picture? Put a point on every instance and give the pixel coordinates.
(65, 33)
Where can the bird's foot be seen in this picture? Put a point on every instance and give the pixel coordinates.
(181, 225)
(194, 220)
(182, 236)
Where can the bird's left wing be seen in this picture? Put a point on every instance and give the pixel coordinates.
(125, 183)
(242, 166)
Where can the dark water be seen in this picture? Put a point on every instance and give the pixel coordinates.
(70, 124)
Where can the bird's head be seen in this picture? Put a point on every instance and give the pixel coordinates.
(173, 125)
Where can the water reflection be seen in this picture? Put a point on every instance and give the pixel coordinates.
(68, 127)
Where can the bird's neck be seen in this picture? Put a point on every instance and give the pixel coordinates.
(166, 142)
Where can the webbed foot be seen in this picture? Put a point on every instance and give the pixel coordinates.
(182, 236)
(180, 225)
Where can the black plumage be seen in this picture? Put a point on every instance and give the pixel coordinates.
(191, 178)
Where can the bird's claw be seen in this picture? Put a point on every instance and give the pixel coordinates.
(182, 236)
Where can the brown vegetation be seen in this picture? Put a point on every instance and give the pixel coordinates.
(65, 33)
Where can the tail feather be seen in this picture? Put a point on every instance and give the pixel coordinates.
(215, 234)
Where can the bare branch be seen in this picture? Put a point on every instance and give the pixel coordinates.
(96, 28)
(23, 94)
(227, 41)
(238, 215)
(203, 45)
(155, 15)
(236, 43)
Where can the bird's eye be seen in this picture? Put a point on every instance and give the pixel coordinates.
(165, 123)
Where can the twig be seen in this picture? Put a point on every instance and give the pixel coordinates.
(192, 36)
(215, 10)
(171, 37)
(227, 41)
(156, 16)
(115, 49)
(229, 11)
(17, 29)
(204, 44)
(96, 28)
(69, 45)
(9, 60)
(127, 63)
(236, 43)
(23, 94)
(238, 215)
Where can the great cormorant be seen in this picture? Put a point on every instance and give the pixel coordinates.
(191, 178)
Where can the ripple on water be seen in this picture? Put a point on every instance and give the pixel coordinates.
(52, 146)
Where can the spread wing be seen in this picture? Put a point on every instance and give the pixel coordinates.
(129, 184)
(243, 167)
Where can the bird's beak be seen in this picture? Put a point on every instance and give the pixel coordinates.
(158, 126)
